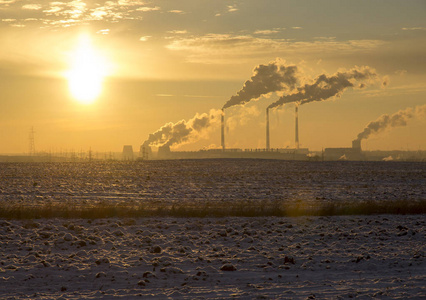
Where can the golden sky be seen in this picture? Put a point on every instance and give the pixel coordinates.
(102, 74)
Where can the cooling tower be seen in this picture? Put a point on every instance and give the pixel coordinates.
(297, 127)
(356, 145)
(222, 119)
(127, 152)
(268, 146)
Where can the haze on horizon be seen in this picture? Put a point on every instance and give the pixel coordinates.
(102, 74)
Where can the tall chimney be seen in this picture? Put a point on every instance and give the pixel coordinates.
(223, 129)
(297, 127)
(268, 146)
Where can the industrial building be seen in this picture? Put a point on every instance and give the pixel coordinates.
(127, 152)
(353, 153)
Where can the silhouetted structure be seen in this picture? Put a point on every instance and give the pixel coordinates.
(127, 152)
(222, 119)
(32, 150)
(268, 145)
(296, 127)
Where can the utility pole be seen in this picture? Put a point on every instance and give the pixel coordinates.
(32, 150)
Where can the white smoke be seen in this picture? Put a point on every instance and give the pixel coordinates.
(397, 119)
(325, 87)
(266, 79)
(183, 131)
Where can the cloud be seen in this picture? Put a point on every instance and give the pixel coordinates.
(32, 6)
(75, 12)
(232, 8)
(229, 9)
(405, 90)
(296, 27)
(400, 72)
(176, 11)
(53, 9)
(177, 31)
(103, 31)
(266, 32)
(72, 10)
(144, 38)
(226, 48)
(413, 28)
(327, 38)
(146, 8)
(125, 3)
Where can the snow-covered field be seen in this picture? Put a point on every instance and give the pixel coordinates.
(289, 258)
(213, 180)
(360, 256)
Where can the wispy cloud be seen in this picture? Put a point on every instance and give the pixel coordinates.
(401, 72)
(229, 9)
(177, 31)
(222, 48)
(267, 31)
(232, 8)
(103, 31)
(413, 28)
(146, 8)
(296, 27)
(144, 38)
(32, 6)
(176, 11)
(328, 38)
(75, 12)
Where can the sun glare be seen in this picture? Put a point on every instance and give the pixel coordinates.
(87, 72)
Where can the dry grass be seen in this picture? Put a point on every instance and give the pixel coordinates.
(211, 209)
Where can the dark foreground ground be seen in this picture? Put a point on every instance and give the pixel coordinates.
(339, 257)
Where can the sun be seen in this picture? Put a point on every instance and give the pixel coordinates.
(87, 72)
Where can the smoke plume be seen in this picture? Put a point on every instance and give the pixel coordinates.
(386, 121)
(182, 131)
(266, 79)
(325, 87)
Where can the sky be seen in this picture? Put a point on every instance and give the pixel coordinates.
(102, 74)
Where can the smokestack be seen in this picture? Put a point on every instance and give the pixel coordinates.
(222, 119)
(297, 127)
(268, 146)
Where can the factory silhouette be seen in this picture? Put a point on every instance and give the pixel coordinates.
(276, 77)
(296, 153)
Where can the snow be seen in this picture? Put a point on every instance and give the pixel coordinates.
(375, 256)
(329, 257)
(213, 180)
